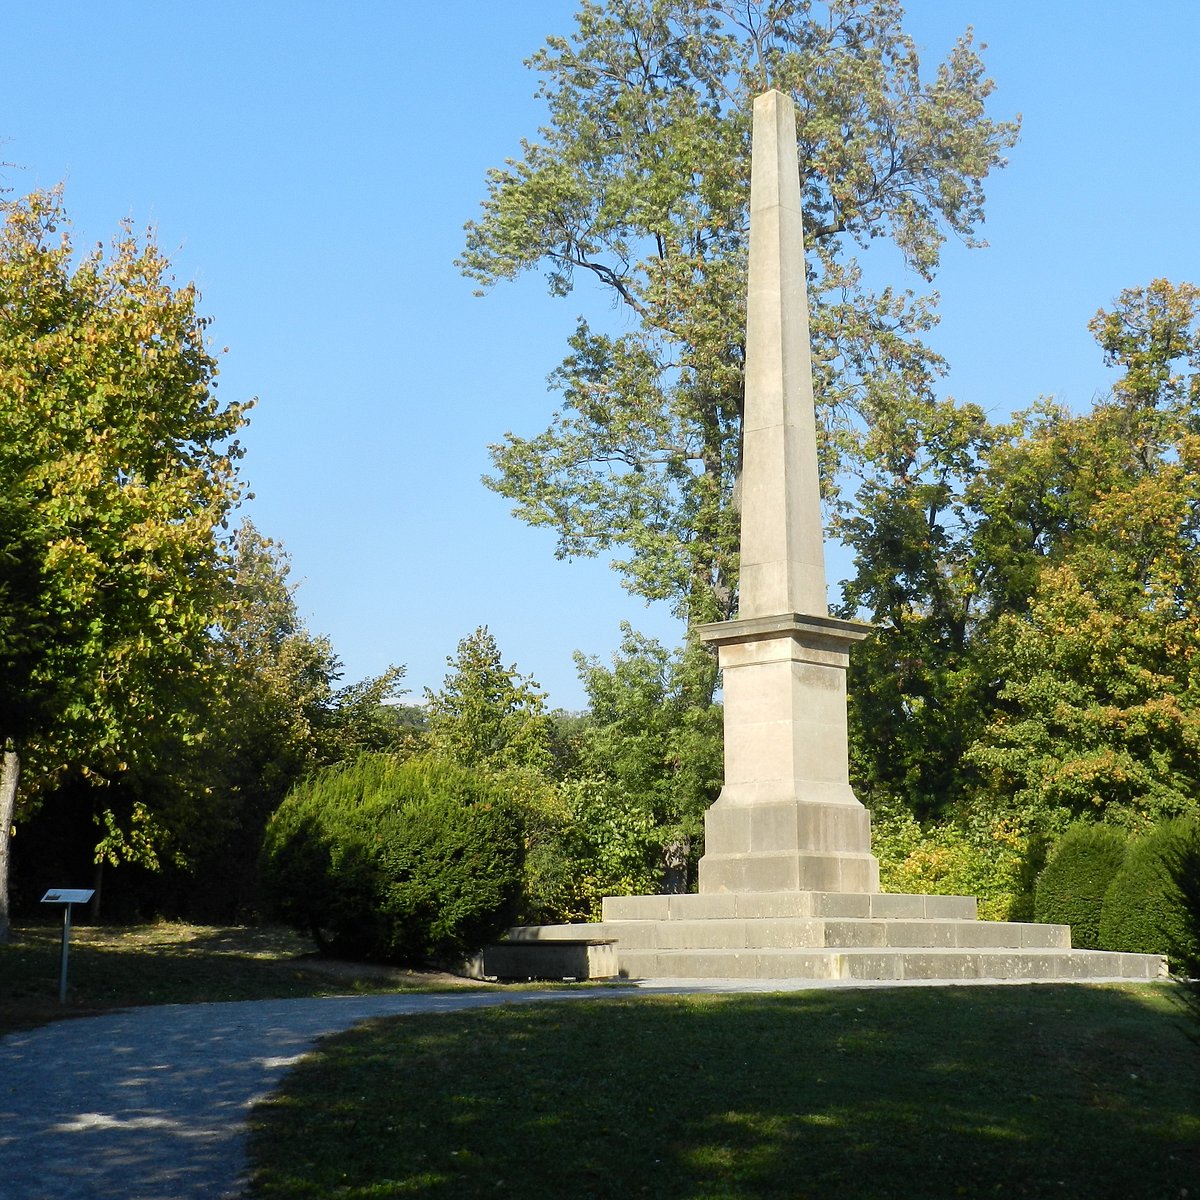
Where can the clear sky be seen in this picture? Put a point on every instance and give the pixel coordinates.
(310, 166)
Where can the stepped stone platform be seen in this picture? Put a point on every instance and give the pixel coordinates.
(828, 935)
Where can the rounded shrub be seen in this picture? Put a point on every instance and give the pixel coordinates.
(411, 861)
(1145, 909)
(1070, 890)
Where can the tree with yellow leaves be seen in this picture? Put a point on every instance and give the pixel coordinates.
(118, 473)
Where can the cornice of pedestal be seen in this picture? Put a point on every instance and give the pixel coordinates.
(806, 629)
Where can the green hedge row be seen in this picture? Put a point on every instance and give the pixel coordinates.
(1140, 895)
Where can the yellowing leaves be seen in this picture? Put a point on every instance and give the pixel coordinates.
(111, 439)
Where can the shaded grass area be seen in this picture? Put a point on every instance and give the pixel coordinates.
(1047, 1091)
(173, 963)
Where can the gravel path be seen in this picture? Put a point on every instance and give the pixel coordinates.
(150, 1103)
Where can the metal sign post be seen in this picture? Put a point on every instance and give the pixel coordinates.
(66, 897)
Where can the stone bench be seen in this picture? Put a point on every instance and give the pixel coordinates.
(553, 958)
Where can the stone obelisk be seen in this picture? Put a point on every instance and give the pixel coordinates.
(787, 819)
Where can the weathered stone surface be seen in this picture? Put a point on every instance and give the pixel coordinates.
(786, 819)
(835, 935)
(551, 958)
(871, 964)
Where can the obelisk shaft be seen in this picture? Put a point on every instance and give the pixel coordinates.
(782, 554)
(786, 819)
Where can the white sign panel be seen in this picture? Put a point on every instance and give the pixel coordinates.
(68, 896)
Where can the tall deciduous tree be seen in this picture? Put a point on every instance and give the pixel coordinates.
(654, 736)
(1098, 710)
(639, 182)
(1034, 587)
(489, 715)
(118, 465)
(277, 715)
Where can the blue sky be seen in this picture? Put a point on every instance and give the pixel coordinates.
(311, 167)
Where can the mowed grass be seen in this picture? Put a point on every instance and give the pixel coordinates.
(1046, 1091)
(172, 963)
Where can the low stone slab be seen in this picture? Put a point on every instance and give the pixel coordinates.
(755, 905)
(891, 964)
(552, 958)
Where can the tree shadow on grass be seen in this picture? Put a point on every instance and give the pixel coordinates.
(1038, 1091)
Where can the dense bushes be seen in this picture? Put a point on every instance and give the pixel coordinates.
(1070, 891)
(991, 858)
(400, 861)
(1144, 908)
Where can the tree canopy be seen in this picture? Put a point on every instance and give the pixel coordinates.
(639, 182)
(1034, 583)
(119, 471)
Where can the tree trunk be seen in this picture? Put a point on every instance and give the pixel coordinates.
(675, 865)
(10, 771)
(97, 888)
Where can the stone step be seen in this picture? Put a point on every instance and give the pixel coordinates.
(734, 933)
(890, 964)
(727, 905)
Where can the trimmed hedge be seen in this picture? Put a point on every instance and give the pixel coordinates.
(1070, 890)
(1144, 908)
(408, 862)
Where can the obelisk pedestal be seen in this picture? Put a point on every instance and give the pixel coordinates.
(786, 819)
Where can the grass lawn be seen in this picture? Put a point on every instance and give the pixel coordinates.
(1045, 1091)
(172, 963)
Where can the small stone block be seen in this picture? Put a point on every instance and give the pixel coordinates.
(951, 964)
(854, 934)
(1047, 937)
(959, 908)
(987, 935)
(923, 934)
(756, 905)
(842, 904)
(782, 933)
(784, 965)
(888, 904)
(1142, 966)
(551, 959)
(693, 907)
(635, 908)
(1000, 965)
(869, 965)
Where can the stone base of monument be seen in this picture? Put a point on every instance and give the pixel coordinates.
(835, 936)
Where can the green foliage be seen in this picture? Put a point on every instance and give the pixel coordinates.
(1072, 885)
(652, 742)
(402, 861)
(1144, 909)
(988, 857)
(917, 698)
(613, 845)
(118, 474)
(639, 182)
(488, 715)
(116, 460)
(277, 715)
(1034, 589)
(1184, 866)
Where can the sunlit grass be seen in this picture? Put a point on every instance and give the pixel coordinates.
(1032, 1091)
